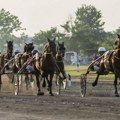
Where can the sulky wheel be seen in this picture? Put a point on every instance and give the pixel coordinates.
(64, 83)
(83, 78)
(16, 83)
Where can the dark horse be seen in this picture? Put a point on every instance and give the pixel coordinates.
(4, 58)
(62, 48)
(46, 67)
(110, 62)
(22, 58)
(23, 63)
(59, 60)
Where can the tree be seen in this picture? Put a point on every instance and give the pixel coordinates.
(8, 23)
(41, 37)
(87, 29)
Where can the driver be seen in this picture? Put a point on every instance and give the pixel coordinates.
(96, 66)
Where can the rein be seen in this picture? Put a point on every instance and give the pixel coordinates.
(117, 57)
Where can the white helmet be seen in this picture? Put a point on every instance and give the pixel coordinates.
(35, 50)
(101, 49)
(17, 50)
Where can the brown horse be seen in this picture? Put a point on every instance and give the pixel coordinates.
(59, 60)
(60, 70)
(22, 64)
(62, 48)
(45, 68)
(5, 58)
(110, 62)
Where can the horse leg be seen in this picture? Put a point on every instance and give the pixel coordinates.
(64, 75)
(115, 85)
(31, 81)
(96, 81)
(56, 79)
(44, 83)
(50, 84)
(38, 84)
(0, 81)
(27, 81)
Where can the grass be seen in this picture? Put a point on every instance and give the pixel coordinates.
(72, 69)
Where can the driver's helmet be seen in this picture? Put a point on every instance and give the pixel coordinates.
(101, 50)
(35, 50)
(16, 51)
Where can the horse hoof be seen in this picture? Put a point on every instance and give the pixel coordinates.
(94, 84)
(40, 93)
(51, 94)
(117, 95)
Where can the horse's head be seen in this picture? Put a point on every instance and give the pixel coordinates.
(52, 46)
(9, 46)
(9, 49)
(28, 47)
(117, 42)
(61, 47)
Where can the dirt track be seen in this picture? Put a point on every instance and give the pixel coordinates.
(99, 104)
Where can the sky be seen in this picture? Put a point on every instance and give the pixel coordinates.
(37, 15)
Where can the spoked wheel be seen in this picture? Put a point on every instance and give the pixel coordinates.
(64, 83)
(61, 84)
(16, 83)
(83, 85)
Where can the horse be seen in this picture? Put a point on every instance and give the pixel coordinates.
(45, 68)
(22, 64)
(62, 48)
(110, 63)
(59, 61)
(60, 70)
(5, 58)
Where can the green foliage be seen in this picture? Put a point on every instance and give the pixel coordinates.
(8, 23)
(88, 28)
(41, 37)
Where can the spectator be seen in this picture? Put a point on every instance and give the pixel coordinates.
(69, 80)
